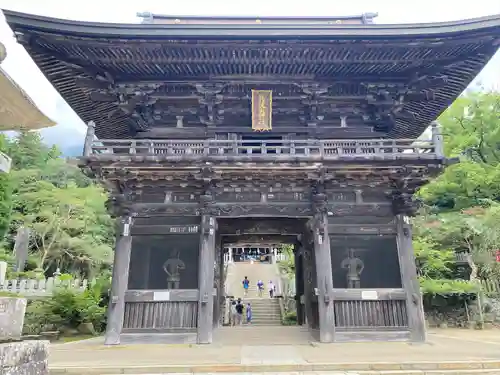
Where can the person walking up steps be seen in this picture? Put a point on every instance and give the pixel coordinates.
(249, 313)
(260, 287)
(239, 312)
(246, 284)
(270, 287)
(234, 313)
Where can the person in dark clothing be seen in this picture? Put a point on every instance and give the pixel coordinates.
(239, 312)
(246, 284)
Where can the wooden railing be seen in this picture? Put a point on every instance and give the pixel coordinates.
(378, 309)
(160, 316)
(296, 148)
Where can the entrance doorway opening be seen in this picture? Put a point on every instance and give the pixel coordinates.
(262, 253)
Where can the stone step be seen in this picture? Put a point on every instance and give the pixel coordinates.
(257, 334)
(265, 321)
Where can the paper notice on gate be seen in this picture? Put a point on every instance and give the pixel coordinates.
(369, 295)
(161, 296)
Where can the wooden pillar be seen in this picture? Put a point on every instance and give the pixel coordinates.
(206, 280)
(324, 274)
(308, 277)
(414, 306)
(89, 139)
(437, 139)
(299, 285)
(121, 263)
(219, 261)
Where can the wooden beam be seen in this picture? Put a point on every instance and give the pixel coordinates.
(152, 230)
(256, 239)
(248, 209)
(361, 229)
(172, 295)
(361, 131)
(259, 226)
(369, 294)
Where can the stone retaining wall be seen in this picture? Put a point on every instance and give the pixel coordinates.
(24, 358)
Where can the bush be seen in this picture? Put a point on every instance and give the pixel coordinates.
(65, 309)
(290, 318)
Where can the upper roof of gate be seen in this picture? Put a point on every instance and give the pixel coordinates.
(342, 77)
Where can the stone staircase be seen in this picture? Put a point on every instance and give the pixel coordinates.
(265, 311)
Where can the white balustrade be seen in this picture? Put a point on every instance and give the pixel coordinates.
(41, 287)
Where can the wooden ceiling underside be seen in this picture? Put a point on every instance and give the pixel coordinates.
(132, 83)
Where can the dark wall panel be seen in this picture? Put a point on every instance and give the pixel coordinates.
(151, 255)
(378, 254)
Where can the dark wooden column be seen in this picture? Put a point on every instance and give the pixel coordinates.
(414, 306)
(206, 279)
(121, 263)
(306, 250)
(324, 274)
(219, 279)
(299, 284)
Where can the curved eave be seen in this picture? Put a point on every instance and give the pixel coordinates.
(18, 112)
(262, 30)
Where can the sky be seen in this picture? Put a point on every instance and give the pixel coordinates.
(71, 129)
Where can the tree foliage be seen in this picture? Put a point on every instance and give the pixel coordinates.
(65, 211)
(462, 206)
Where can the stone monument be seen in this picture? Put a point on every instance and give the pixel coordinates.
(173, 267)
(12, 311)
(354, 268)
(21, 248)
(16, 356)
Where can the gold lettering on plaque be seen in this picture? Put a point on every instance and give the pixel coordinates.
(262, 110)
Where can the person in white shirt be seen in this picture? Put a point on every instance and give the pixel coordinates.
(234, 313)
(270, 287)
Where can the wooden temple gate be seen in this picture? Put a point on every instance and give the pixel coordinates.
(301, 130)
(340, 217)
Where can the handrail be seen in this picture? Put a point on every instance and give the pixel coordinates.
(297, 148)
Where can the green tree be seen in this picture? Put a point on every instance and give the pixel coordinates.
(64, 209)
(27, 150)
(471, 127)
(5, 193)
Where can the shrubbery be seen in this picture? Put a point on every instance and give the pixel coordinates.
(290, 318)
(68, 310)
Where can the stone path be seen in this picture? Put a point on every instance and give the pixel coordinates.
(449, 350)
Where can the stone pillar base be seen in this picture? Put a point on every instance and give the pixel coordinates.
(25, 358)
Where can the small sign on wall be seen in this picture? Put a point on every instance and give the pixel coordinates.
(369, 295)
(161, 296)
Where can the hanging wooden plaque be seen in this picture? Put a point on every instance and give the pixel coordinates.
(262, 110)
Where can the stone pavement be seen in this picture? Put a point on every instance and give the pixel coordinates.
(448, 351)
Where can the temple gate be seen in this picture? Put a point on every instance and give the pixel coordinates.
(210, 131)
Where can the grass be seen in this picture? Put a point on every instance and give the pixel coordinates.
(66, 339)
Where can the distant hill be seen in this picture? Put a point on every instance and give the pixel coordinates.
(72, 151)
